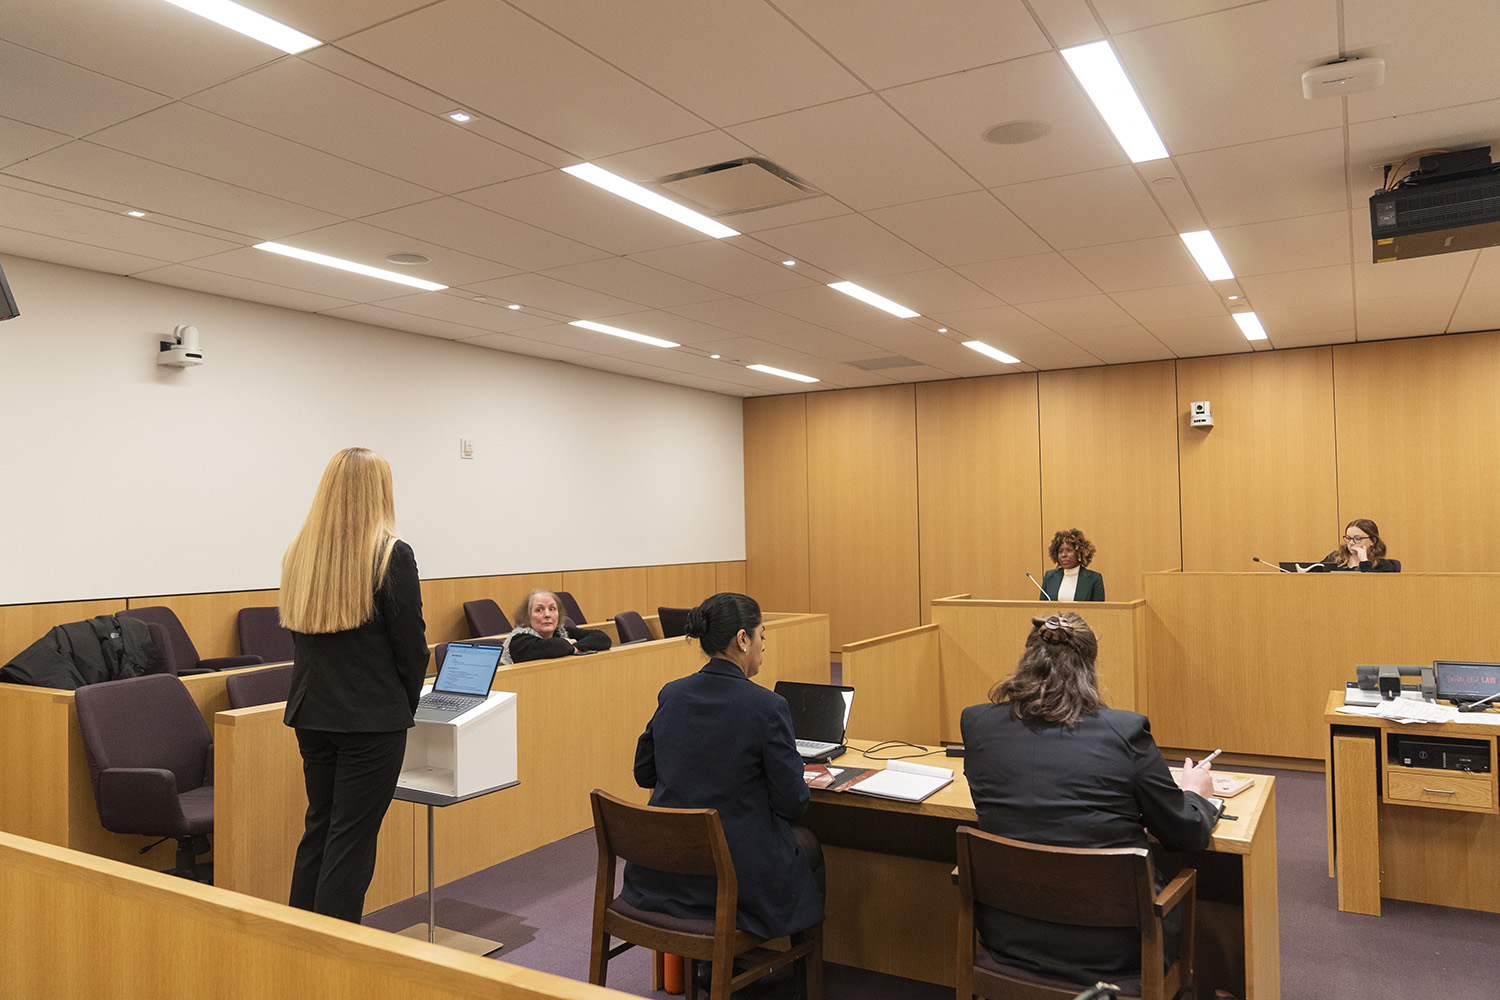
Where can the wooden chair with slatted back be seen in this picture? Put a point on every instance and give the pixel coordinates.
(1066, 885)
(687, 842)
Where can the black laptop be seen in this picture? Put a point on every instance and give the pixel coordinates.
(463, 681)
(820, 717)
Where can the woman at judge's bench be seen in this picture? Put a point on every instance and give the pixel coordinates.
(720, 741)
(1072, 580)
(351, 598)
(1361, 550)
(1048, 762)
(542, 634)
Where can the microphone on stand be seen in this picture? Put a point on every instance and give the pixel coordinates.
(1272, 565)
(1038, 586)
(1480, 705)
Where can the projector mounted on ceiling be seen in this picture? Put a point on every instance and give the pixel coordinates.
(1451, 202)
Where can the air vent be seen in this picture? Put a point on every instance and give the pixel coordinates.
(736, 186)
(877, 364)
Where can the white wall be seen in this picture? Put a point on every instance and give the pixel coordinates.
(120, 478)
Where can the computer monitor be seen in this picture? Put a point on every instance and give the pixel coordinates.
(1461, 682)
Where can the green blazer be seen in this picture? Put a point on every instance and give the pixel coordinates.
(1090, 584)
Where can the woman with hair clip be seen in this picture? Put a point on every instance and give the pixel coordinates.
(1049, 763)
(720, 741)
(541, 633)
(1361, 550)
(351, 598)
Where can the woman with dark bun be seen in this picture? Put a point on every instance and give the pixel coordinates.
(720, 741)
(1361, 550)
(1072, 580)
(1049, 763)
(542, 634)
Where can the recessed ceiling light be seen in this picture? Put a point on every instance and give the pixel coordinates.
(942, 329)
(878, 301)
(630, 191)
(615, 331)
(1250, 325)
(1205, 250)
(790, 263)
(1016, 133)
(481, 298)
(408, 259)
(136, 213)
(714, 356)
(459, 116)
(248, 22)
(349, 265)
(1109, 88)
(992, 352)
(782, 373)
(513, 305)
(1233, 298)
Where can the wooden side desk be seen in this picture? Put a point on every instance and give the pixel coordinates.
(1412, 833)
(893, 908)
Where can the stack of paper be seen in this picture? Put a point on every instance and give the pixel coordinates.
(903, 780)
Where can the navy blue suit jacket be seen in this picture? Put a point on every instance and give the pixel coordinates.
(720, 741)
(1090, 584)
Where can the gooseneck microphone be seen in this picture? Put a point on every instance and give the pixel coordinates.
(1272, 565)
(1038, 586)
(1480, 705)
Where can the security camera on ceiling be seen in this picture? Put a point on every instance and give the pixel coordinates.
(182, 350)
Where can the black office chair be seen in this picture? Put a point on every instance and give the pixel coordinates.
(151, 763)
(673, 621)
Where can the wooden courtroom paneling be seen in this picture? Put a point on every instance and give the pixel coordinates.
(604, 593)
(443, 600)
(76, 926)
(1419, 447)
(1261, 481)
(897, 677)
(211, 620)
(1109, 468)
(862, 510)
(34, 778)
(1245, 661)
(23, 624)
(977, 475)
(730, 577)
(776, 513)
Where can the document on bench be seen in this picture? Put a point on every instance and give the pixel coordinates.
(903, 780)
(1407, 710)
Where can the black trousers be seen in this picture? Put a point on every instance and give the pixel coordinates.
(350, 779)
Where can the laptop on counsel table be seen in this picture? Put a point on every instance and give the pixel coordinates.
(820, 717)
(463, 681)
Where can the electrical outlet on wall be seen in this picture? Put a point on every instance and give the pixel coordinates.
(465, 447)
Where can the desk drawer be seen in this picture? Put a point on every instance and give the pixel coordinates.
(1444, 789)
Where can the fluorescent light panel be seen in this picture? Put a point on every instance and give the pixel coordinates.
(781, 372)
(1250, 325)
(1205, 250)
(630, 191)
(349, 265)
(615, 331)
(248, 22)
(1109, 88)
(878, 301)
(993, 352)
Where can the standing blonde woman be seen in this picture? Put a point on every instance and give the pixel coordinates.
(351, 598)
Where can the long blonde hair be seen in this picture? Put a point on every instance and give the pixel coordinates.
(339, 558)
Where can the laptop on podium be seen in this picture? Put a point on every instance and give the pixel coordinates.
(463, 681)
(820, 717)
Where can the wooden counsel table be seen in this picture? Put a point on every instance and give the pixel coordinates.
(892, 906)
(1428, 835)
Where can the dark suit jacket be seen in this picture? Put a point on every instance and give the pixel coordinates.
(1331, 560)
(1090, 584)
(365, 679)
(720, 741)
(1101, 783)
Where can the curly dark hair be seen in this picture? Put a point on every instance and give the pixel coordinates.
(1081, 545)
(1055, 680)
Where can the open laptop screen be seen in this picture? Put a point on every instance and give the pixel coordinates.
(820, 712)
(467, 669)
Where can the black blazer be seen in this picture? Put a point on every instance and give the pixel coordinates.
(1101, 783)
(1331, 560)
(720, 741)
(365, 679)
(523, 646)
(1090, 584)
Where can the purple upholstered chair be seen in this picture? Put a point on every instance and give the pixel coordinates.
(632, 628)
(179, 652)
(673, 621)
(151, 762)
(259, 687)
(570, 607)
(262, 635)
(485, 618)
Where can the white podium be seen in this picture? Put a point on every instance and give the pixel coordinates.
(450, 762)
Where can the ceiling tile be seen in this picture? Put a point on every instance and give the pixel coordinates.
(275, 269)
(1154, 306)
(851, 247)
(72, 253)
(1082, 210)
(1120, 345)
(19, 141)
(1200, 336)
(937, 290)
(489, 316)
(537, 291)
(1120, 16)
(858, 151)
(1030, 279)
(960, 229)
(329, 20)
(743, 317)
(235, 287)
(481, 233)
(1417, 296)
(53, 217)
(724, 266)
(1275, 179)
(1310, 241)
(72, 100)
(634, 282)
(1150, 263)
(1422, 54)
(1093, 312)
(365, 244)
(1299, 304)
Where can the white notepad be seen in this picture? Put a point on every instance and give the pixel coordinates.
(903, 780)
